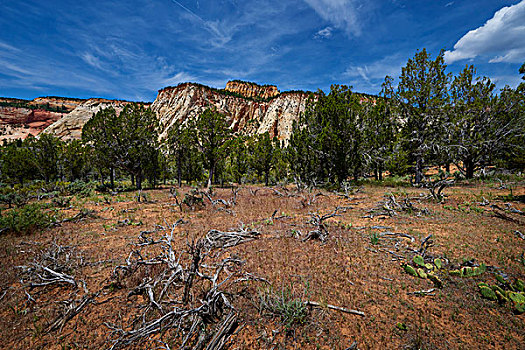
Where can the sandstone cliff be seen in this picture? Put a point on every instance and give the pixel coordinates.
(70, 126)
(21, 118)
(252, 90)
(251, 109)
(247, 115)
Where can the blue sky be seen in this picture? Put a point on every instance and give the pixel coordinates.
(130, 49)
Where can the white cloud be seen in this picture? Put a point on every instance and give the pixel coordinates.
(178, 78)
(343, 14)
(324, 33)
(502, 38)
(390, 65)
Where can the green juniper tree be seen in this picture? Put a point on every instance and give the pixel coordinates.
(473, 125)
(326, 143)
(379, 129)
(263, 155)
(239, 160)
(46, 153)
(212, 136)
(423, 95)
(127, 140)
(182, 150)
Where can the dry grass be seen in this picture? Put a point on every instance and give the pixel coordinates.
(349, 271)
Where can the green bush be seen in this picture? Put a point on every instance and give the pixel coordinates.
(24, 220)
(81, 188)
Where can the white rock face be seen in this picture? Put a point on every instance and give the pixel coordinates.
(185, 101)
(70, 126)
(247, 116)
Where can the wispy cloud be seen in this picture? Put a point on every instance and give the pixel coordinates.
(343, 14)
(501, 38)
(369, 77)
(324, 33)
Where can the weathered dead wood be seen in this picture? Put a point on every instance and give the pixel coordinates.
(397, 234)
(175, 195)
(436, 188)
(83, 214)
(499, 212)
(224, 330)
(309, 198)
(171, 292)
(219, 239)
(321, 232)
(426, 243)
(333, 307)
(423, 292)
(391, 207)
(71, 308)
(52, 267)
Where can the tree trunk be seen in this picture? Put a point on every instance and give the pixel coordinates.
(210, 177)
(112, 177)
(101, 177)
(132, 180)
(447, 167)
(139, 181)
(266, 178)
(419, 169)
(179, 172)
(376, 177)
(469, 168)
(380, 171)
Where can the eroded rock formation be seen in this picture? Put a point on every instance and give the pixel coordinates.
(252, 90)
(70, 126)
(21, 118)
(247, 115)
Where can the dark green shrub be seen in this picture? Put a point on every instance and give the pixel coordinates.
(81, 188)
(24, 220)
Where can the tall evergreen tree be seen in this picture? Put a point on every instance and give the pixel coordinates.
(263, 155)
(212, 134)
(473, 124)
(423, 96)
(326, 144)
(182, 144)
(127, 141)
(379, 128)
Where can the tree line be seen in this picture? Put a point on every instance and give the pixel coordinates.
(430, 118)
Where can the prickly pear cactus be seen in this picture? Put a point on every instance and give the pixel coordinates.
(488, 293)
(418, 260)
(410, 270)
(421, 273)
(518, 298)
(438, 263)
(519, 285)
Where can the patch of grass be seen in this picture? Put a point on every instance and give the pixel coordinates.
(292, 310)
(374, 238)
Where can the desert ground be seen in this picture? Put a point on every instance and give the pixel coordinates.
(275, 267)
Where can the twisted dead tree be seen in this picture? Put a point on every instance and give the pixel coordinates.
(391, 206)
(53, 267)
(321, 232)
(187, 292)
(436, 188)
(220, 204)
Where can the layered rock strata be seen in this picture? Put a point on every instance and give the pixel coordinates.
(70, 126)
(246, 115)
